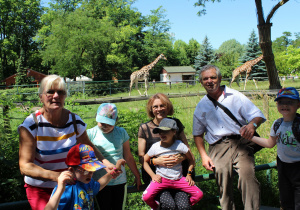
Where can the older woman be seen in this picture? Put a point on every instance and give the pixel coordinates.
(45, 139)
(159, 107)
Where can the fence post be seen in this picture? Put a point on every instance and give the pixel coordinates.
(83, 87)
(110, 88)
(68, 90)
(266, 106)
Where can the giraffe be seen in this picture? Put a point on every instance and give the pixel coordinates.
(143, 74)
(247, 68)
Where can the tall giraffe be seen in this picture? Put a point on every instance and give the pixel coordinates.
(247, 68)
(143, 74)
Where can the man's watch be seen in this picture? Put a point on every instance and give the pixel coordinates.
(255, 125)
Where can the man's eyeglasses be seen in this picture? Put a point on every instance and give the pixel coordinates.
(82, 171)
(287, 102)
(50, 93)
(160, 106)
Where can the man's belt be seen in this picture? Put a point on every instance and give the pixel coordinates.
(236, 137)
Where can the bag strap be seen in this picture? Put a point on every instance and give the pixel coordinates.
(277, 124)
(74, 122)
(296, 127)
(227, 111)
(35, 120)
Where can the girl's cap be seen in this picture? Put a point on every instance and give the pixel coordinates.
(84, 156)
(166, 124)
(288, 92)
(107, 113)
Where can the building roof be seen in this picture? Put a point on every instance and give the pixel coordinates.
(179, 69)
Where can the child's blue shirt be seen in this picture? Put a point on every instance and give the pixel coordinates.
(79, 196)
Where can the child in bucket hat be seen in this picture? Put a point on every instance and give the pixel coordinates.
(285, 133)
(166, 177)
(113, 142)
(82, 163)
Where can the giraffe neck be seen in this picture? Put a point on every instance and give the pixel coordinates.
(256, 60)
(150, 66)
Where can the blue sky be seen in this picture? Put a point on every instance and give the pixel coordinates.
(229, 19)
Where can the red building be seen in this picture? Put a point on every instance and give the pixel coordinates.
(35, 77)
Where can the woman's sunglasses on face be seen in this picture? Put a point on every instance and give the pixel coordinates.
(50, 93)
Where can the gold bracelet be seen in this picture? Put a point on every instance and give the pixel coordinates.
(153, 161)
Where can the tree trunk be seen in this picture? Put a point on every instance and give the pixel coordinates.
(265, 43)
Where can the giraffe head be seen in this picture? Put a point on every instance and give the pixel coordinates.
(162, 56)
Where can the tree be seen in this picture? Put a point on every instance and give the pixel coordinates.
(230, 51)
(288, 61)
(180, 49)
(253, 51)
(206, 55)
(21, 78)
(296, 42)
(19, 22)
(281, 43)
(264, 29)
(78, 44)
(192, 50)
(156, 40)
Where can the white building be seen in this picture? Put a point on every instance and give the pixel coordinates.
(176, 74)
(79, 79)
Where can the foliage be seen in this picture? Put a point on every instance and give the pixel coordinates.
(180, 49)
(296, 42)
(21, 77)
(230, 51)
(281, 43)
(287, 53)
(206, 54)
(19, 23)
(253, 51)
(288, 61)
(11, 181)
(76, 40)
(157, 40)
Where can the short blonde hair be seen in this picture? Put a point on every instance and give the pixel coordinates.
(165, 101)
(50, 81)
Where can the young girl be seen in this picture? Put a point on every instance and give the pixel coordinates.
(285, 133)
(169, 177)
(113, 142)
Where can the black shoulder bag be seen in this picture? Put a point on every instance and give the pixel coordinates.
(253, 145)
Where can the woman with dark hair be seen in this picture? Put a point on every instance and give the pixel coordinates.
(159, 107)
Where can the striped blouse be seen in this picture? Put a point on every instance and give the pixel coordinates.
(53, 144)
